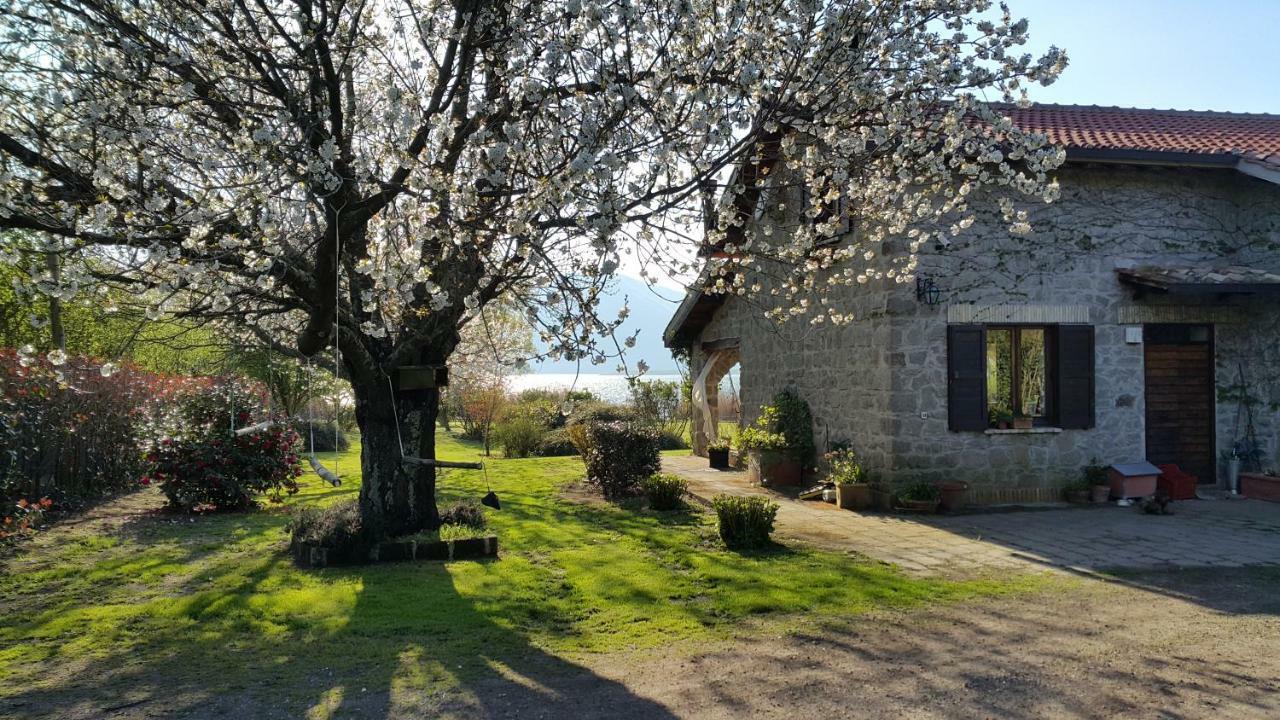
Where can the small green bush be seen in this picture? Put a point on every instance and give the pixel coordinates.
(744, 522)
(665, 491)
(556, 443)
(921, 491)
(327, 438)
(518, 436)
(668, 440)
(336, 527)
(619, 457)
(467, 513)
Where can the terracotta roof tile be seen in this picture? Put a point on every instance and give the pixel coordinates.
(1254, 136)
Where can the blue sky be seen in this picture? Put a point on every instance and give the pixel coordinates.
(1181, 54)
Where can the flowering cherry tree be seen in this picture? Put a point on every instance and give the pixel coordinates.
(370, 174)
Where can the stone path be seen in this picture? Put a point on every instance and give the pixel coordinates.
(1201, 533)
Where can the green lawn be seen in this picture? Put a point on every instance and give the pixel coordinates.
(211, 607)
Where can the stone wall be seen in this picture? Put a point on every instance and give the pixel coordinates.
(881, 382)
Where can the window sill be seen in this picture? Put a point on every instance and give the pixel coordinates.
(1024, 431)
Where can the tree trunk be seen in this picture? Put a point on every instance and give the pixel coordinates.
(59, 335)
(396, 498)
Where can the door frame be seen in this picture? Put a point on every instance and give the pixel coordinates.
(1212, 387)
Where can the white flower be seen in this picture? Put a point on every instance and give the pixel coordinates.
(57, 357)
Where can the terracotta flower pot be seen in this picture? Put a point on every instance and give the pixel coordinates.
(952, 496)
(719, 459)
(773, 467)
(1100, 493)
(853, 497)
(1022, 423)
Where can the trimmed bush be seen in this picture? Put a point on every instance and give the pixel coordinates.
(671, 441)
(225, 472)
(467, 513)
(518, 436)
(556, 443)
(665, 491)
(336, 527)
(327, 438)
(744, 522)
(619, 457)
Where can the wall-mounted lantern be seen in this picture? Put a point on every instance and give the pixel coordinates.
(927, 291)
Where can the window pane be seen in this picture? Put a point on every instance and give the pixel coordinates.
(1031, 380)
(999, 372)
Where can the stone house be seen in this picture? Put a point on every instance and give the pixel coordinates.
(1141, 321)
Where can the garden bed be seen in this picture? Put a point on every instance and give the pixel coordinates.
(312, 555)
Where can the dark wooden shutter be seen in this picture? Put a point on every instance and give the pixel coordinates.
(967, 377)
(1075, 377)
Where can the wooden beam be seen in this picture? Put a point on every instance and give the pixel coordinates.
(432, 462)
(721, 344)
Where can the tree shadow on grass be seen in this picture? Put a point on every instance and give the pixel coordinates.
(267, 640)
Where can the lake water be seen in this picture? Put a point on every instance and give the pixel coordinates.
(610, 387)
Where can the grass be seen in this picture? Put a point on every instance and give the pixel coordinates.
(209, 607)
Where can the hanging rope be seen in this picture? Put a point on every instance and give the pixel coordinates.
(324, 473)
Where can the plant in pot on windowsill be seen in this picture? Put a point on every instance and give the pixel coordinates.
(921, 497)
(999, 418)
(718, 454)
(1098, 480)
(853, 492)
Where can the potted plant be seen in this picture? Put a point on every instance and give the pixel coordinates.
(779, 444)
(769, 460)
(852, 490)
(999, 418)
(1077, 492)
(921, 497)
(951, 495)
(718, 454)
(1098, 480)
(1023, 422)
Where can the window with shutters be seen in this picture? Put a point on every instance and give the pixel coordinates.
(1000, 372)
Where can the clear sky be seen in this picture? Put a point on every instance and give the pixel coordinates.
(1180, 54)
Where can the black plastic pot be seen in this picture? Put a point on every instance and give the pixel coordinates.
(719, 458)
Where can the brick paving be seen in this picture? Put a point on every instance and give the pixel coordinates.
(1200, 533)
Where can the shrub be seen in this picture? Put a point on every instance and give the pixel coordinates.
(1096, 473)
(921, 491)
(225, 472)
(589, 413)
(795, 422)
(556, 443)
(336, 527)
(327, 437)
(665, 492)
(518, 436)
(744, 522)
(25, 520)
(77, 431)
(467, 513)
(619, 457)
(720, 444)
(671, 441)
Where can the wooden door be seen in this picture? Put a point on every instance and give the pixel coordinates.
(1180, 398)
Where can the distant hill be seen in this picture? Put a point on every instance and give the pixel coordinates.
(651, 309)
